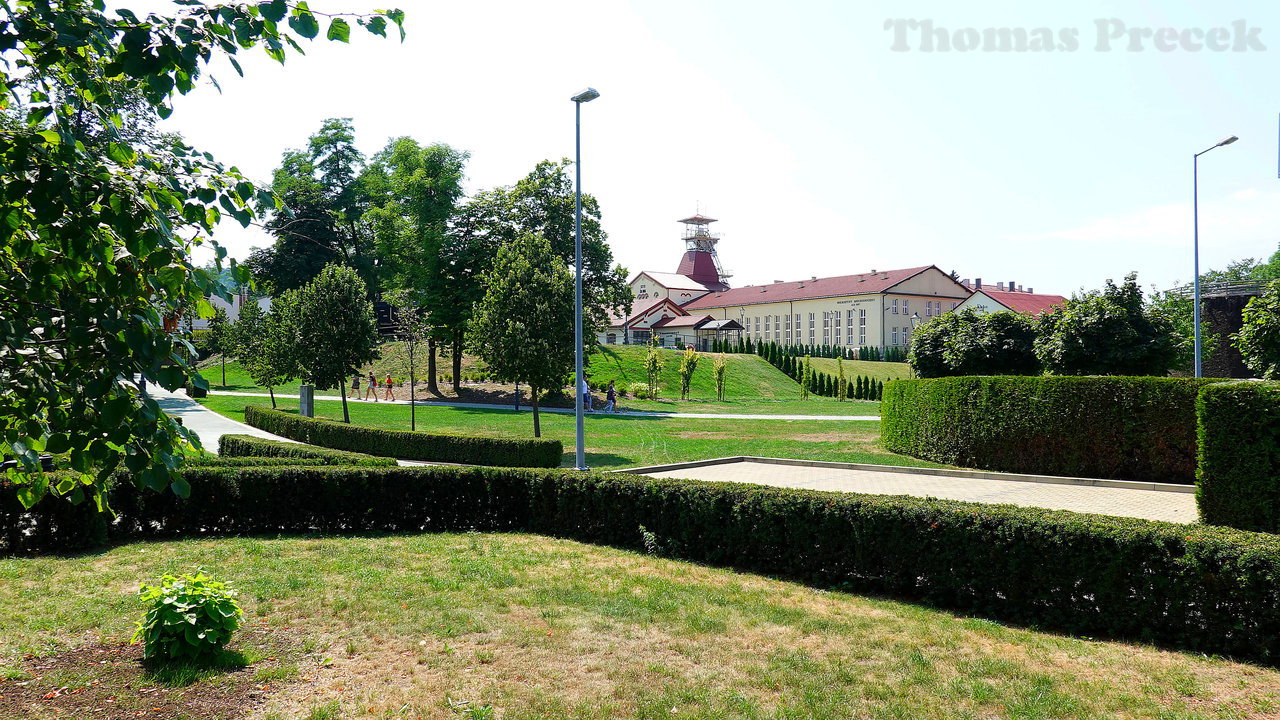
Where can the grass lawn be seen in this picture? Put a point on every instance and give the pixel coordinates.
(617, 441)
(447, 626)
(753, 387)
(882, 371)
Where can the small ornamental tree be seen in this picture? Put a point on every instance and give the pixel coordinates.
(1259, 336)
(719, 370)
(653, 367)
(334, 332)
(688, 365)
(413, 330)
(523, 326)
(222, 338)
(806, 377)
(842, 387)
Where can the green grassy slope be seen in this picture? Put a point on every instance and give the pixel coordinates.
(748, 376)
(884, 371)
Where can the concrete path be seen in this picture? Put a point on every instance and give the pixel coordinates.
(1151, 501)
(567, 411)
(207, 424)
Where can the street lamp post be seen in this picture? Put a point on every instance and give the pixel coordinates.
(1195, 222)
(585, 96)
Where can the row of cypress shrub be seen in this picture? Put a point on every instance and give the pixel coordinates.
(246, 448)
(1193, 587)
(769, 350)
(432, 447)
(1126, 428)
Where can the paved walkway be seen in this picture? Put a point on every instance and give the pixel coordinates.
(1160, 502)
(568, 411)
(207, 424)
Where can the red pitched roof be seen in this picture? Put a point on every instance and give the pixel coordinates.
(1021, 302)
(674, 281)
(805, 289)
(682, 321)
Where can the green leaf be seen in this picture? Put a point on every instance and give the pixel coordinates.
(305, 24)
(339, 30)
(274, 10)
(50, 137)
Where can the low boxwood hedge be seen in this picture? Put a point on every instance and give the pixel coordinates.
(1203, 588)
(248, 461)
(1124, 428)
(236, 446)
(433, 447)
(1239, 468)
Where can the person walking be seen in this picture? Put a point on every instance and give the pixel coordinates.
(391, 394)
(585, 391)
(355, 387)
(372, 389)
(610, 397)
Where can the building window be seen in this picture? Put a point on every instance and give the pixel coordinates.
(812, 324)
(836, 331)
(862, 327)
(895, 306)
(848, 326)
(767, 318)
(894, 337)
(611, 339)
(905, 310)
(788, 329)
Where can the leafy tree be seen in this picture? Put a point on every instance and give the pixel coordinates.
(806, 377)
(222, 338)
(523, 326)
(653, 363)
(334, 333)
(267, 344)
(97, 219)
(842, 384)
(719, 370)
(688, 365)
(1107, 332)
(1259, 336)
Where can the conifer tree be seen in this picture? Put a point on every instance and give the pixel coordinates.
(842, 384)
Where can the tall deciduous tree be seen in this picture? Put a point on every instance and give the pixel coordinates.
(1107, 332)
(334, 331)
(1259, 337)
(96, 225)
(523, 326)
(222, 339)
(267, 346)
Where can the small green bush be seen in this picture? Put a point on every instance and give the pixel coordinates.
(434, 447)
(1125, 428)
(237, 446)
(191, 618)
(1239, 464)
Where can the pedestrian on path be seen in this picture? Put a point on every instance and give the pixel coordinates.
(355, 387)
(610, 397)
(372, 389)
(391, 394)
(585, 390)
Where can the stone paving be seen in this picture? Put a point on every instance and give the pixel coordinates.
(1172, 505)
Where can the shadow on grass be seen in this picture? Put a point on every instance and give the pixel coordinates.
(181, 673)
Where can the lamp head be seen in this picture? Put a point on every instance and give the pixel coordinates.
(1228, 141)
(586, 96)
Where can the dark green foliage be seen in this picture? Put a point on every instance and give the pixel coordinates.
(1238, 477)
(1199, 588)
(52, 523)
(1107, 332)
(969, 343)
(408, 445)
(248, 447)
(1259, 337)
(1124, 428)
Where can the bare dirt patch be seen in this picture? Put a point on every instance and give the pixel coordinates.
(113, 682)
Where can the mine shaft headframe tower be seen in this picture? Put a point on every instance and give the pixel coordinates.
(701, 262)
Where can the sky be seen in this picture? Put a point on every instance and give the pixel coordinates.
(828, 138)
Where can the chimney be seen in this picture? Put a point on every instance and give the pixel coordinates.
(1012, 287)
(1031, 291)
(1000, 286)
(965, 282)
(775, 282)
(977, 283)
(1020, 289)
(813, 278)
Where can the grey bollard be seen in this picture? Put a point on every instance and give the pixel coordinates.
(307, 401)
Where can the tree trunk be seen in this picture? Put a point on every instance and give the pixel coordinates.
(224, 372)
(457, 362)
(272, 390)
(537, 428)
(431, 367)
(346, 415)
(413, 416)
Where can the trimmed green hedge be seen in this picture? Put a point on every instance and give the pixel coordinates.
(236, 446)
(1239, 471)
(466, 449)
(1124, 428)
(239, 462)
(1202, 588)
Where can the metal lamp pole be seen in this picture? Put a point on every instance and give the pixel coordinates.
(1195, 221)
(585, 96)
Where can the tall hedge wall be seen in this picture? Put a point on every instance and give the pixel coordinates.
(1203, 588)
(1239, 468)
(465, 449)
(1123, 428)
